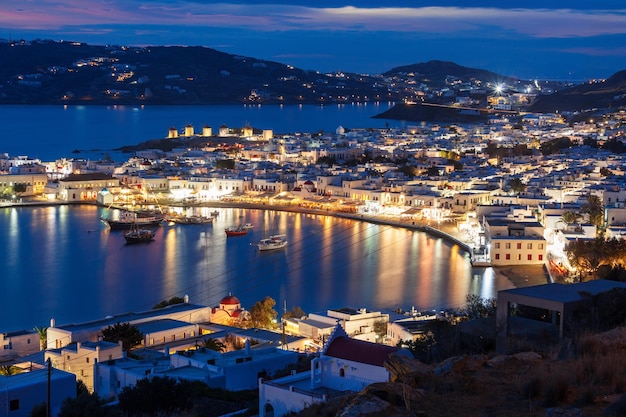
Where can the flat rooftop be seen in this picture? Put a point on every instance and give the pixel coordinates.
(566, 292)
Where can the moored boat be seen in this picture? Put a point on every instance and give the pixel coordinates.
(236, 231)
(137, 235)
(190, 219)
(272, 243)
(128, 219)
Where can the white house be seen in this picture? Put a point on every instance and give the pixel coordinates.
(359, 324)
(60, 336)
(344, 366)
(235, 371)
(81, 358)
(23, 391)
(16, 344)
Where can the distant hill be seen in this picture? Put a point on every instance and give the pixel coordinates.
(607, 94)
(51, 72)
(436, 72)
(47, 72)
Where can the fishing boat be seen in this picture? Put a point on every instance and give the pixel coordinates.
(236, 231)
(190, 219)
(273, 242)
(128, 219)
(138, 234)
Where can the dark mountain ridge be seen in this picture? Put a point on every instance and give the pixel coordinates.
(437, 72)
(51, 72)
(596, 94)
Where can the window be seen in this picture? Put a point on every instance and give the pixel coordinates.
(87, 360)
(530, 257)
(519, 246)
(529, 246)
(541, 246)
(508, 246)
(498, 245)
(519, 256)
(342, 372)
(28, 341)
(14, 405)
(541, 257)
(508, 257)
(497, 256)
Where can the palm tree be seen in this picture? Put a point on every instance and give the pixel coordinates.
(43, 336)
(8, 370)
(595, 210)
(570, 217)
(214, 344)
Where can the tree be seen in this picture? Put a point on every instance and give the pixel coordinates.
(127, 333)
(516, 185)
(477, 307)
(326, 160)
(595, 212)
(380, 328)
(83, 405)
(432, 171)
(294, 313)
(214, 344)
(225, 164)
(570, 217)
(8, 370)
(43, 336)
(19, 188)
(40, 410)
(605, 172)
(408, 170)
(154, 396)
(262, 313)
(172, 301)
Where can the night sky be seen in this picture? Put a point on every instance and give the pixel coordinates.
(577, 40)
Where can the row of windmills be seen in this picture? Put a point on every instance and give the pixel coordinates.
(224, 131)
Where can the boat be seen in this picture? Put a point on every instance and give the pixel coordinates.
(272, 243)
(138, 234)
(236, 231)
(247, 226)
(128, 219)
(190, 219)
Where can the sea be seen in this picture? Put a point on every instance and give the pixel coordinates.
(64, 263)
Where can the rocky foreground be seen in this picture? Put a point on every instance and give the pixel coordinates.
(582, 378)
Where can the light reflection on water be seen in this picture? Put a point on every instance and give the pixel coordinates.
(63, 262)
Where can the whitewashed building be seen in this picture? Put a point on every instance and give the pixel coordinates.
(345, 366)
(23, 391)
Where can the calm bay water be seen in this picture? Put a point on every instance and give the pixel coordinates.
(63, 262)
(51, 132)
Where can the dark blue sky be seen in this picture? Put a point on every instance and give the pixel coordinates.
(531, 39)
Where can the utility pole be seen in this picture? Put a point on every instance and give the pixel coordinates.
(48, 395)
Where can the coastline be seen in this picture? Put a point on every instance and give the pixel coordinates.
(517, 275)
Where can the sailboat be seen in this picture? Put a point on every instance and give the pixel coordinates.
(273, 242)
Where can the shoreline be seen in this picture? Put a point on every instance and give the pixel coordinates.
(517, 275)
